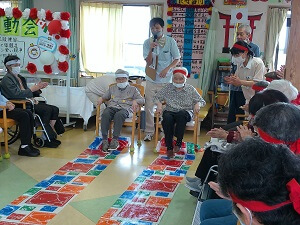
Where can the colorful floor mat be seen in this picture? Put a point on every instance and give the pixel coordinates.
(46, 199)
(148, 197)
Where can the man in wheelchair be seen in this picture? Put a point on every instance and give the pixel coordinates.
(14, 86)
(24, 118)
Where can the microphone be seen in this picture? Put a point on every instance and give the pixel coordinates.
(154, 40)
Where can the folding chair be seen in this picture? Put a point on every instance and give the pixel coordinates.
(192, 125)
(134, 121)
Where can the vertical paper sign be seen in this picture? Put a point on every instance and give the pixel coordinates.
(29, 28)
(190, 33)
(10, 26)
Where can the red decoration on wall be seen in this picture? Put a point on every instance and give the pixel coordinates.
(49, 16)
(47, 69)
(31, 68)
(235, 2)
(2, 12)
(17, 13)
(65, 33)
(63, 66)
(63, 50)
(65, 15)
(33, 13)
(54, 27)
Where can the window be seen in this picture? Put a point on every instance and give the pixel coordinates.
(282, 46)
(136, 31)
(119, 42)
(5, 4)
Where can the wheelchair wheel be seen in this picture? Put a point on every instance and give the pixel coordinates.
(13, 134)
(39, 142)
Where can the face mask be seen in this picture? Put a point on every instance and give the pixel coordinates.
(16, 70)
(122, 85)
(157, 33)
(239, 60)
(240, 218)
(178, 85)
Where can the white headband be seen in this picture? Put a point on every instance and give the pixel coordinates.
(12, 62)
(121, 75)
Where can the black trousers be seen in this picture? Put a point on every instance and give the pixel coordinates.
(208, 160)
(47, 113)
(25, 120)
(169, 120)
(237, 99)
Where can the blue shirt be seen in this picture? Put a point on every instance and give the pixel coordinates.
(166, 55)
(255, 49)
(3, 100)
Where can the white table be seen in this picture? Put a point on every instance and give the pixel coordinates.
(80, 105)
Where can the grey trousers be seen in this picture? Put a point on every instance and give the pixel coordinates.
(118, 116)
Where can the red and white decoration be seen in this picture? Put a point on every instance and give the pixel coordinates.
(57, 24)
(239, 16)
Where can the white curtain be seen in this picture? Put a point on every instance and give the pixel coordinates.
(208, 61)
(101, 38)
(276, 18)
(156, 11)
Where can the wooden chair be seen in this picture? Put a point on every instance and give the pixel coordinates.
(5, 123)
(242, 116)
(131, 122)
(193, 125)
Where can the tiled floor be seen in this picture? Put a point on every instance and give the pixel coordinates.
(19, 174)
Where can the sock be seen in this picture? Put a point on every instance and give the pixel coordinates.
(24, 146)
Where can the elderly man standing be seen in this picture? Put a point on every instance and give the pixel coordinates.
(237, 98)
(160, 51)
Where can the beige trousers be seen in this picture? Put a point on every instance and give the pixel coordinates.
(151, 90)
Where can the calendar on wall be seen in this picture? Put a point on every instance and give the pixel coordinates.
(189, 29)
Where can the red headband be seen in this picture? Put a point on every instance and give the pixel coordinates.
(257, 88)
(181, 71)
(269, 79)
(294, 146)
(258, 206)
(240, 47)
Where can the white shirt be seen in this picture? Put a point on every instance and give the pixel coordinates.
(253, 71)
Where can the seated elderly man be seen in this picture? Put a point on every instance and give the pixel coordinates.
(263, 181)
(181, 100)
(14, 86)
(24, 118)
(123, 99)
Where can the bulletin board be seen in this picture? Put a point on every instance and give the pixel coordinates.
(189, 29)
(38, 38)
